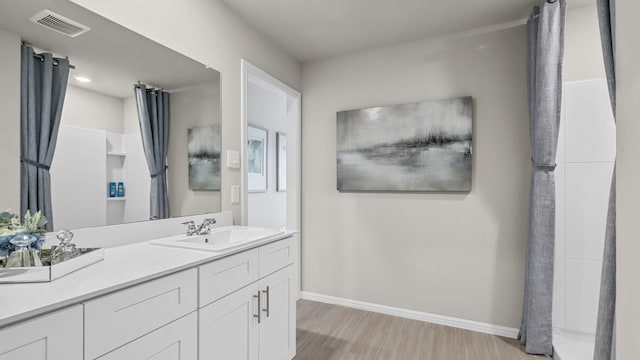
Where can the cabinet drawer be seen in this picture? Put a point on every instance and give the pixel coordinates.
(175, 341)
(222, 277)
(57, 336)
(277, 255)
(114, 320)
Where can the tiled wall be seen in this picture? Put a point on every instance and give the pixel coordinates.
(586, 153)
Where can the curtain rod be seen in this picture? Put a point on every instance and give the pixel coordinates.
(55, 62)
(148, 87)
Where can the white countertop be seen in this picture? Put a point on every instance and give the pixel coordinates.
(122, 267)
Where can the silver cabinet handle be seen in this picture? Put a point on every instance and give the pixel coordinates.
(267, 293)
(259, 306)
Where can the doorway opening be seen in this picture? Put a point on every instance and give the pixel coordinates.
(271, 151)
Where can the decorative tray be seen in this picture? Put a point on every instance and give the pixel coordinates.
(48, 272)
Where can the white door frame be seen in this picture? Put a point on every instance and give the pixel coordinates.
(294, 134)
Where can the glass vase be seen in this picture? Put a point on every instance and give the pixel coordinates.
(23, 256)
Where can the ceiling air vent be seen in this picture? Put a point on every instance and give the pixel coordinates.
(59, 23)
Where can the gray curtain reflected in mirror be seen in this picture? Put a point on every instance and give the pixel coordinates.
(43, 88)
(153, 115)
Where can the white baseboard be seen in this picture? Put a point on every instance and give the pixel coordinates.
(415, 315)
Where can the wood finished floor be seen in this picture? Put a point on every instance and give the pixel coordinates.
(330, 332)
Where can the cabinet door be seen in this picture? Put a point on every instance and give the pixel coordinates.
(228, 328)
(278, 325)
(174, 341)
(57, 336)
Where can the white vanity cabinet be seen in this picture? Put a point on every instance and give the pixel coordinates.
(255, 321)
(239, 307)
(50, 337)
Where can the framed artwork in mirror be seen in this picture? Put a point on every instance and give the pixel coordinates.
(204, 158)
(257, 158)
(281, 161)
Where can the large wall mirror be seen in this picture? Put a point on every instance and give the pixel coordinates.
(112, 119)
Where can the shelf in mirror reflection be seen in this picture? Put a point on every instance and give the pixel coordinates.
(116, 199)
(114, 153)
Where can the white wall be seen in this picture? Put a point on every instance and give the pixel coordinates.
(130, 122)
(267, 108)
(10, 121)
(628, 179)
(207, 31)
(583, 50)
(89, 109)
(194, 106)
(460, 255)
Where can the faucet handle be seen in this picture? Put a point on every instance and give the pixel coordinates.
(206, 224)
(191, 227)
(205, 228)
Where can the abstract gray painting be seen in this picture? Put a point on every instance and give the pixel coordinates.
(204, 158)
(425, 146)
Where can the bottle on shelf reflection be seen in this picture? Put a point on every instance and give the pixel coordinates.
(112, 189)
(121, 189)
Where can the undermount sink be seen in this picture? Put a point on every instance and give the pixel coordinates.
(221, 239)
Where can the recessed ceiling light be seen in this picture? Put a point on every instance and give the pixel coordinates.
(83, 79)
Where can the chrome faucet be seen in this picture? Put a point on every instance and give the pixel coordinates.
(203, 229)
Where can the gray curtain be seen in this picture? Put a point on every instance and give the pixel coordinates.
(43, 86)
(605, 330)
(546, 51)
(153, 114)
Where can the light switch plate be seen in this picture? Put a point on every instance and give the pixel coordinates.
(233, 159)
(235, 194)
